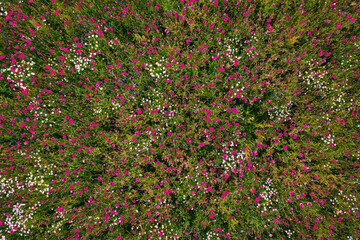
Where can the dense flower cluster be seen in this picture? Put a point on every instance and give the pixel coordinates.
(179, 119)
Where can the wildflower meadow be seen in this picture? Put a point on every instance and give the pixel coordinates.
(180, 119)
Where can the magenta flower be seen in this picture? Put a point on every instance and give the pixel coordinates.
(221, 69)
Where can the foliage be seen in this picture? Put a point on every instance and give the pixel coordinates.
(179, 119)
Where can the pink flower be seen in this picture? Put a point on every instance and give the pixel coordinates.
(110, 66)
(201, 144)
(71, 121)
(221, 69)
(211, 85)
(338, 25)
(134, 139)
(285, 147)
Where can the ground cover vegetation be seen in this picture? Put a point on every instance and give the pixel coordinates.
(179, 119)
